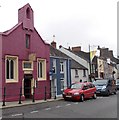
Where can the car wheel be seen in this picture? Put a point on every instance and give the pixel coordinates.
(108, 93)
(115, 92)
(94, 96)
(65, 99)
(82, 98)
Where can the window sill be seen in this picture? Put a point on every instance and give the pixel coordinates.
(62, 72)
(41, 79)
(11, 81)
(30, 69)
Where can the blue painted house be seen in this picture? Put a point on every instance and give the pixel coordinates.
(60, 70)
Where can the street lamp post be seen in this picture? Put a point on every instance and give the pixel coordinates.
(89, 64)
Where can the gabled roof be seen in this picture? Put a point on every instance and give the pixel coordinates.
(76, 65)
(82, 54)
(57, 53)
(7, 32)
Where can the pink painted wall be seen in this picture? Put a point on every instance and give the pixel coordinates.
(15, 44)
(1, 66)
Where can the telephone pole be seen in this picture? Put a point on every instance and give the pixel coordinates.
(90, 65)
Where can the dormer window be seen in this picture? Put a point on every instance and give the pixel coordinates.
(28, 13)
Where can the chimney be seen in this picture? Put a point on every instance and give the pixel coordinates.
(104, 52)
(76, 49)
(53, 43)
(60, 46)
(110, 54)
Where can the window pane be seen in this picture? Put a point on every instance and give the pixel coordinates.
(38, 70)
(27, 41)
(61, 67)
(41, 69)
(27, 65)
(12, 69)
(7, 69)
(41, 72)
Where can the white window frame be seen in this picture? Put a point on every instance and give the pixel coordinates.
(15, 60)
(43, 61)
(54, 65)
(61, 67)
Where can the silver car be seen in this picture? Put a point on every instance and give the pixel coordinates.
(117, 84)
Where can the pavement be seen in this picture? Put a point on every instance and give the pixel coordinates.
(26, 102)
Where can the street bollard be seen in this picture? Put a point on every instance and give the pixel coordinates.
(55, 92)
(20, 95)
(33, 100)
(45, 94)
(4, 96)
(50, 92)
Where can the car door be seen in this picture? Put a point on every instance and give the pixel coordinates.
(85, 91)
(91, 90)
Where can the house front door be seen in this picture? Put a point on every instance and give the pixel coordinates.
(53, 88)
(27, 85)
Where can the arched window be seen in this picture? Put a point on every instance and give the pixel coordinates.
(28, 13)
(12, 69)
(7, 69)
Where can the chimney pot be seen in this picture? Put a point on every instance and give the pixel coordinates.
(53, 43)
(76, 49)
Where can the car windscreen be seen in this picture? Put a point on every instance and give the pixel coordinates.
(76, 86)
(100, 82)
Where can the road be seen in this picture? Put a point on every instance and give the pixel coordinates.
(102, 107)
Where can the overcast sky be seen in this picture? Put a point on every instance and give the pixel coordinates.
(73, 22)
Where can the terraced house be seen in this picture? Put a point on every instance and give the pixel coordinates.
(24, 59)
(60, 67)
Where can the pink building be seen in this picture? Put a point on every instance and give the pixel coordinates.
(24, 59)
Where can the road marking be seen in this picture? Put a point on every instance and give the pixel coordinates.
(67, 104)
(34, 111)
(58, 106)
(99, 97)
(17, 114)
(76, 103)
(47, 108)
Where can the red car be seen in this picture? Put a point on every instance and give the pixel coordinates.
(80, 91)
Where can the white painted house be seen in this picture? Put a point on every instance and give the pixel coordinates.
(78, 72)
(80, 63)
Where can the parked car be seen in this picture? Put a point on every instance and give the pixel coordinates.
(80, 91)
(117, 84)
(105, 86)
